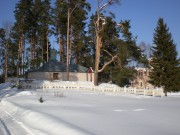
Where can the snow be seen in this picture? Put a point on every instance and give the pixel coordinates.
(86, 113)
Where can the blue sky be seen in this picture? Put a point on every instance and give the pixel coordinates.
(142, 13)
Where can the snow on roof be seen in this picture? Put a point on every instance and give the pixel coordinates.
(142, 69)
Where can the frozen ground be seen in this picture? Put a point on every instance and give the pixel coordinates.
(86, 113)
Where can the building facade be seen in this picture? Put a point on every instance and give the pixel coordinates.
(54, 70)
(142, 78)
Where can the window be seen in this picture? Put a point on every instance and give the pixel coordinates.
(140, 74)
(141, 84)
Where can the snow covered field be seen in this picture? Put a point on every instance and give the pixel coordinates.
(73, 112)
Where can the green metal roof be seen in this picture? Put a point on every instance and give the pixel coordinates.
(55, 66)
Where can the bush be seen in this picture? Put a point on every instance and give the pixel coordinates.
(41, 100)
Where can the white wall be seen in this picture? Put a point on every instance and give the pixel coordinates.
(73, 76)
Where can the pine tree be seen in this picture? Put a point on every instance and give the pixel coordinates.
(92, 39)
(20, 29)
(124, 48)
(164, 60)
(78, 9)
(77, 26)
(59, 20)
(12, 58)
(2, 52)
(99, 24)
(44, 22)
(32, 26)
(127, 51)
(32, 32)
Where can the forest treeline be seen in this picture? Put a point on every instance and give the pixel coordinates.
(26, 44)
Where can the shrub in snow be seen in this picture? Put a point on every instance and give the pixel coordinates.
(19, 86)
(41, 100)
(13, 86)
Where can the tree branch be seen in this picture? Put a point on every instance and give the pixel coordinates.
(74, 9)
(113, 60)
(105, 65)
(107, 52)
(105, 5)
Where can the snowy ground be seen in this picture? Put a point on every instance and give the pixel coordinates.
(74, 112)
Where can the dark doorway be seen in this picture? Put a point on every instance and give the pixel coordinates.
(55, 76)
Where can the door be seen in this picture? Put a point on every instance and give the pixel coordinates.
(55, 76)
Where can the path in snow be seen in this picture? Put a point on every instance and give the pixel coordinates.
(9, 125)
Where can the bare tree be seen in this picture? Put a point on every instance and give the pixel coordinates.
(101, 5)
(146, 48)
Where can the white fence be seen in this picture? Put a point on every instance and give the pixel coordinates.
(105, 88)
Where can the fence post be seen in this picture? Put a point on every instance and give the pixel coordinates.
(125, 89)
(78, 86)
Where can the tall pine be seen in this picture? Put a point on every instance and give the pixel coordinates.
(164, 62)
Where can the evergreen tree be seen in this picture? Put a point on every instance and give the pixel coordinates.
(20, 29)
(99, 24)
(110, 37)
(32, 27)
(2, 52)
(32, 32)
(77, 30)
(8, 52)
(44, 30)
(59, 21)
(123, 47)
(165, 65)
(78, 9)
(12, 58)
(127, 51)
(92, 39)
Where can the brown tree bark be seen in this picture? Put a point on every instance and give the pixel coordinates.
(99, 39)
(47, 45)
(61, 47)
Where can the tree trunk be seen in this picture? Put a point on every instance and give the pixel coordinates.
(99, 38)
(98, 45)
(67, 47)
(6, 61)
(23, 53)
(61, 49)
(42, 50)
(19, 57)
(95, 78)
(97, 61)
(32, 51)
(165, 92)
(47, 45)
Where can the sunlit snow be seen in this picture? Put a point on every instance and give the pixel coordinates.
(86, 113)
